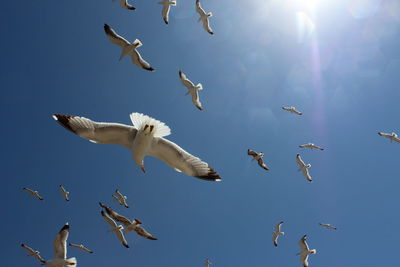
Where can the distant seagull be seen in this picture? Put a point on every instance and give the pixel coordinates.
(166, 6)
(292, 110)
(204, 17)
(117, 229)
(208, 262)
(125, 4)
(81, 247)
(128, 48)
(129, 225)
(193, 90)
(33, 193)
(144, 138)
(121, 199)
(277, 233)
(60, 250)
(305, 251)
(311, 146)
(33, 252)
(328, 226)
(304, 167)
(392, 137)
(258, 157)
(64, 192)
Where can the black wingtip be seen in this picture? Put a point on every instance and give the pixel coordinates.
(65, 227)
(150, 69)
(212, 176)
(126, 245)
(64, 121)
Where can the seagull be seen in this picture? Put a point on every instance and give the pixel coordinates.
(193, 90)
(204, 17)
(60, 250)
(292, 110)
(81, 247)
(128, 48)
(392, 136)
(258, 157)
(208, 262)
(304, 167)
(328, 226)
(115, 228)
(64, 192)
(120, 198)
(144, 138)
(34, 253)
(277, 233)
(33, 193)
(311, 146)
(305, 251)
(166, 6)
(129, 225)
(125, 4)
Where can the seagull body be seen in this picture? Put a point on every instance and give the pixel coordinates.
(117, 229)
(392, 136)
(208, 262)
(277, 233)
(64, 192)
(133, 225)
(81, 247)
(33, 252)
(166, 7)
(328, 226)
(125, 4)
(304, 167)
(193, 89)
(305, 251)
(258, 157)
(128, 49)
(121, 199)
(60, 250)
(292, 110)
(144, 138)
(204, 17)
(33, 193)
(311, 146)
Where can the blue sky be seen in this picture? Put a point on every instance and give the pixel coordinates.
(337, 61)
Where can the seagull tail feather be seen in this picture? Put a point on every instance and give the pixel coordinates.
(139, 120)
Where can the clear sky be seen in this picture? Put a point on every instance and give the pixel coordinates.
(337, 61)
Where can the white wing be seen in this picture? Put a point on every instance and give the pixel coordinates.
(29, 249)
(286, 108)
(139, 61)
(114, 37)
(60, 243)
(199, 9)
(296, 111)
(278, 227)
(109, 220)
(181, 160)
(121, 238)
(385, 135)
(185, 81)
(300, 161)
(303, 244)
(206, 26)
(165, 13)
(98, 132)
(396, 139)
(304, 259)
(275, 238)
(306, 174)
(196, 99)
(125, 4)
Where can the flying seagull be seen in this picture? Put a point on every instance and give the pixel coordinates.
(392, 136)
(121, 199)
(165, 11)
(33, 252)
(292, 110)
(81, 247)
(311, 146)
(125, 4)
(60, 250)
(128, 48)
(305, 251)
(304, 167)
(144, 138)
(193, 90)
(64, 192)
(117, 229)
(258, 157)
(204, 17)
(208, 262)
(33, 193)
(277, 233)
(328, 226)
(129, 225)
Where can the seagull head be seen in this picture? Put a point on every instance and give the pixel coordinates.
(313, 251)
(261, 154)
(394, 134)
(308, 165)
